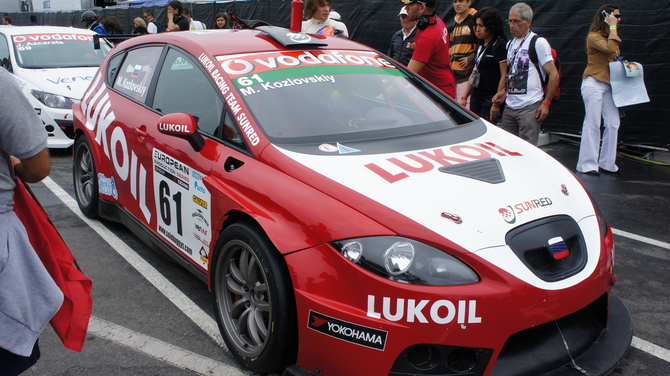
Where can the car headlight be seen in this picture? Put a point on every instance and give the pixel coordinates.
(405, 260)
(52, 100)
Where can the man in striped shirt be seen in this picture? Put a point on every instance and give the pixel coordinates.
(463, 44)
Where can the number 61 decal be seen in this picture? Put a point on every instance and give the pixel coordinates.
(183, 203)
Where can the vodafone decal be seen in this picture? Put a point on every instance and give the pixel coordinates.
(241, 65)
(51, 37)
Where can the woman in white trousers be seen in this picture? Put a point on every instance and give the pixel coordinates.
(602, 47)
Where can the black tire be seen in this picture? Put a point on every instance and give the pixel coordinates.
(85, 178)
(253, 300)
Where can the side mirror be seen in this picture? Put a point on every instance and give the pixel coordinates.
(183, 126)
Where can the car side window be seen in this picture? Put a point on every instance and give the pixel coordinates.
(136, 71)
(183, 87)
(5, 59)
(230, 131)
(113, 68)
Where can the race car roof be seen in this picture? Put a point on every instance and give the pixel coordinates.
(230, 42)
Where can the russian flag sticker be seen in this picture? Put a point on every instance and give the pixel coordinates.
(559, 250)
(137, 70)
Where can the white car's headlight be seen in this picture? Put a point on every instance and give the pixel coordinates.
(52, 100)
(406, 260)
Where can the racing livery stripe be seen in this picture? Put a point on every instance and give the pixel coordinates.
(298, 72)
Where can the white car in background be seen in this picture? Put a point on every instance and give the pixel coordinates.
(53, 65)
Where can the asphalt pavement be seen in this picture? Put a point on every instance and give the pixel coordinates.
(151, 317)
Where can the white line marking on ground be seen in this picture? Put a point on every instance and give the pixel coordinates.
(179, 299)
(650, 348)
(640, 238)
(206, 323)
(158, 349)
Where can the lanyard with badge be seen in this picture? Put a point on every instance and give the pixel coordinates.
(512, 67)
(474, 78)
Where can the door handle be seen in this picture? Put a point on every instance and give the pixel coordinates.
(141, 132)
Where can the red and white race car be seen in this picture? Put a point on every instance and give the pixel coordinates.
(348, 217)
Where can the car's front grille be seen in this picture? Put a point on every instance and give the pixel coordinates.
(552, 248)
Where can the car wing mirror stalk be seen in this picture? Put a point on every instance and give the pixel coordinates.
(183, 126)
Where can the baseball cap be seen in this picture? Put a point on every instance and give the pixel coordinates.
(428, 3)
(402, 11)
(335, 16)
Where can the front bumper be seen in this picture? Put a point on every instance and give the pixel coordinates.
(596, 352)
(543, 350)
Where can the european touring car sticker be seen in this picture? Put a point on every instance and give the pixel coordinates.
(179, 192)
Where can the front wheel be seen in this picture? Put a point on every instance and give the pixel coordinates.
(253, 300)
(85, 179)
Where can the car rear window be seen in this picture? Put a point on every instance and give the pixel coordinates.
(57, 50)
(301, 95)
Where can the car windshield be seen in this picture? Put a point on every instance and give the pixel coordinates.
(57, 50)
(305, 97)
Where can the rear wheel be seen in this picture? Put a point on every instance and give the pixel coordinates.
(85, 179)
(253, 300)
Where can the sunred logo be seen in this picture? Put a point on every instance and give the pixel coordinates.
(347, 331)
(509, 214)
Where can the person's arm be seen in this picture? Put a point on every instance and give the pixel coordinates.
(35, 168)
(415, 65)
(501, 95)
(495, 107)
(467, 60)
(466, 92)
(171, 26)
(602, 44)
(550, 69)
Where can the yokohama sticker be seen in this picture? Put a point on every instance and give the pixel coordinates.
(346, 331)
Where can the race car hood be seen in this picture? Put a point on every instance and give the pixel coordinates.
(69, 82)
(471, 193)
